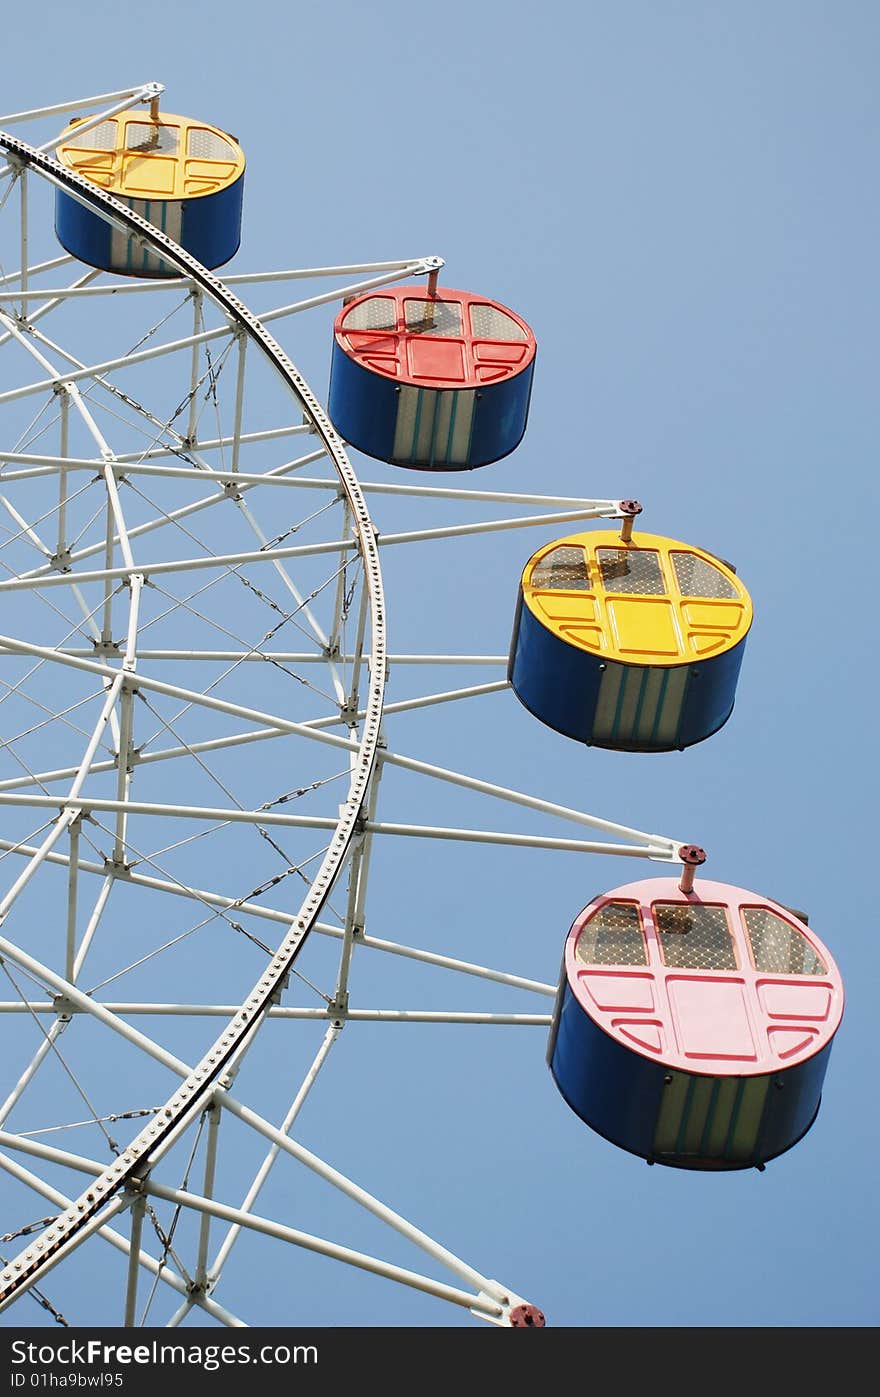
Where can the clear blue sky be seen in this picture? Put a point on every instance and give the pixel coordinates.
(681, 199)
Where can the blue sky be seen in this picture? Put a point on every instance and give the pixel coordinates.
(680, 199)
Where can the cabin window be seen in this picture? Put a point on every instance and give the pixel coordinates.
(144, 138)
(635, 572)
(207, 145)
(777, 947)
(562, 569)
(101, 137)
(490, 323)
(694, 938)
(696, 577)
(613, 936)
(430, 317)
(375, 313)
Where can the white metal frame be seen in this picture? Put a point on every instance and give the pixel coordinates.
(356, 667)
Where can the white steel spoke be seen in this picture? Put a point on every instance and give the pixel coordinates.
(117, 288)
(484, 1301)
(201, 1274)
(471, 783)
(36, 269)
(129, 100)
(301, 601)
(478, 1303)
(328, 1041)
(409, 705)
(52, 716)
(127, 361)
(662, 850)
(362, 1196)
(219, 1011)
(145, 681)
(137, 1223)
(444, 962)
(130, 96)
(22, 190)
(50, 1043)
(116, 1240)
(69, 991)
(151, 569)
(214, 480)
(301, 657)
(141, 463)
(260, 910)
(274, 555)
(48, 308)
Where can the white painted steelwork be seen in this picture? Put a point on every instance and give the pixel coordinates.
(88, 807)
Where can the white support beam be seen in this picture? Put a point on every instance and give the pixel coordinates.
(365, 1199)
(145, 92)
(50, 306)
(275, 554)
(87, 1004)
(137, 1224)
(159, 1135)
(108, 1234)
(140, 463)
(23, 195)
(481, 1303)
(127, 100)
(192, 419)
(523, 841)
(263, 912)
(227, 815)
(238, 409)
(327, 1042)
(547, 807)
(201, 1273)
(209, 813)
(42, 1052)
(148, 682)
(219, 493)
(174, 566)
(63, 261)
(286, 1012)
(411, 267)
(296, 657)
(61, 546)
(127, 361)
(489, 1299)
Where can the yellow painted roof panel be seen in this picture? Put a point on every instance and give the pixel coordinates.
(176, 157)
(653, 601)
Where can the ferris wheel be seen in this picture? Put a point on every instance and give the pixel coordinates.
(207, 780)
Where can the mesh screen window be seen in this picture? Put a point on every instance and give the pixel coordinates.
(698, 578)
(694, 938)
(377, 313)
(563, 569)
(207, 145)
(613, 936)
(490, 323)
(433, 318)
(146, 139)
(101, 137)
(635, 573)
(777, 947)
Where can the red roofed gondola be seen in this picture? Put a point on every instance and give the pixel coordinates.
(432, 381)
